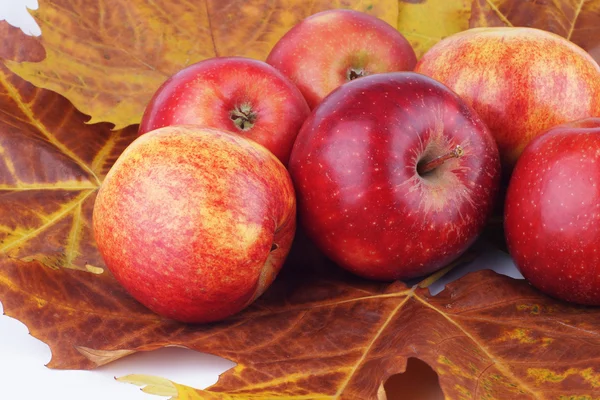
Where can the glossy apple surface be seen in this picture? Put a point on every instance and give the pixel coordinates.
(521, 81)
(552, 215)
(195, 223)
(237, 94)
(333, 47)
(363, 195)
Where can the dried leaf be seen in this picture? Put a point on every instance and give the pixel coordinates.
(426, 22)
(320, 333)
(15, 45)
(52, 164)
(487, 337)
(576, 20)
(317, 333)
(108, 58)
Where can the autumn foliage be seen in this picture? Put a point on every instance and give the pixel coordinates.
(69, 102)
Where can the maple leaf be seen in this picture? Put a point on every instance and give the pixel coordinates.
(487, 336)
(108, 58)
(575, 20)
(16, 46)
(52, 166)
(318, 332)
(416, 21)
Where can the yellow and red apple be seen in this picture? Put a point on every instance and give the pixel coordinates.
(194, 222)
(521, 81)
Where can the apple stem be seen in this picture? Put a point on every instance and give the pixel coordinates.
(355, 73)
(243, 117)
(429, 166)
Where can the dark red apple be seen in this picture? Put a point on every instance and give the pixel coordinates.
(237, 94)
(332, 47)
(195, 223)
(552, 212)
(395, 175)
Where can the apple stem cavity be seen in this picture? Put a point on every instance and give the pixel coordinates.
(355, 73)
(243, 116)
(274, 247)
(424, 168)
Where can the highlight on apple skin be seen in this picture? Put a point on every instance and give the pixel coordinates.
(195, 223)
(236, 94)
(521, 81)
(552, 215)
(332, 47)
(395, 175)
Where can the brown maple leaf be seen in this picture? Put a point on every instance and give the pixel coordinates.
(52, 165)
(108, 58)
(487, 336)
(576, 20)
(15, 45)
(317, 333)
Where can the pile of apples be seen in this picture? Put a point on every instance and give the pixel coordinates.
(394, 165)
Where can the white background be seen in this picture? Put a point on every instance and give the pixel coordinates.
(23, 374)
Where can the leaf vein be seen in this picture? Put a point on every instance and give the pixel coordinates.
(28, 112)
(49, 222)
(575, 17)
(210, 29)
(377, 335)
(484, 349)
(499, 13)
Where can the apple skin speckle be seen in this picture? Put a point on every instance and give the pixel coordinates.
(386, 221)
(552, 212)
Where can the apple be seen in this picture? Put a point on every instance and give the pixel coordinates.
(332, 47)
(521, 81)
(194, 222)
(552, 212)
(395, 175)
(237, 94)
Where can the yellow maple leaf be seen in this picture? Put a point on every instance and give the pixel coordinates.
(108, 58)
(424, 23)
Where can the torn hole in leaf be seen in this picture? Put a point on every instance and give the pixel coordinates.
(419, 381)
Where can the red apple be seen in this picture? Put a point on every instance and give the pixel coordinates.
(552, 212)
(237, 94)
(521, 81)
(195, 223)
(395, 175)
(332, 47)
